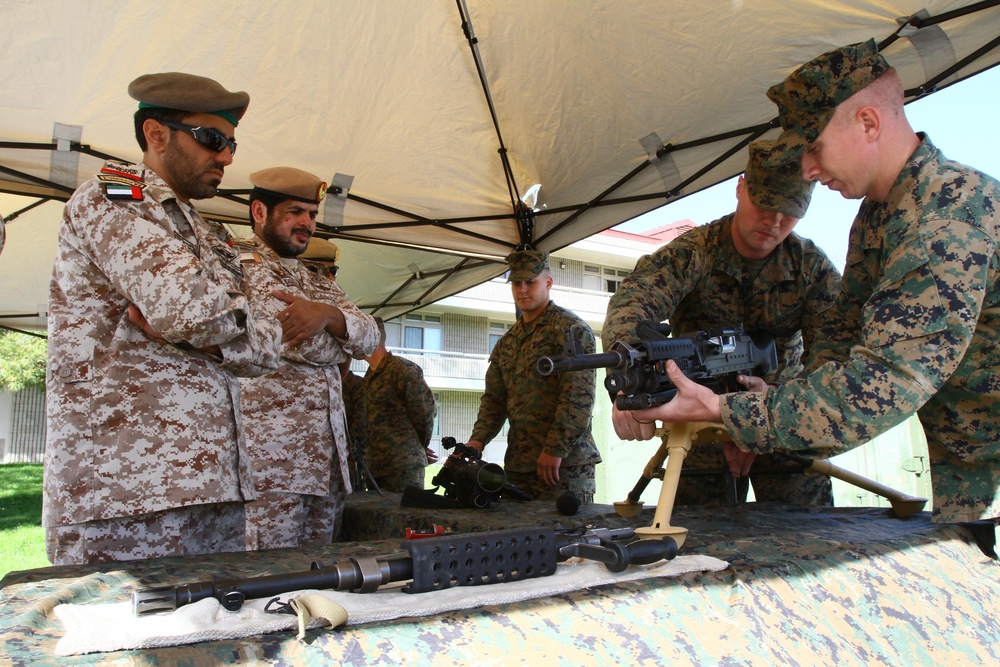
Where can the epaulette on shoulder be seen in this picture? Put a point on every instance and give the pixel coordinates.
(247, 250)
(122, 180)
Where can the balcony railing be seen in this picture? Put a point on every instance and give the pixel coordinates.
(438, 364)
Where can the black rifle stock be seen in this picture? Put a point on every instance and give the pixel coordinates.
(636, 371)
(431, 564)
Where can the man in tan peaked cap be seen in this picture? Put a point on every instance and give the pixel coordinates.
(748, 268)
(148, 331)
(294, 418)
(915, 329)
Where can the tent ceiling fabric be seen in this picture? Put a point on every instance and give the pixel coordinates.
(387, 96)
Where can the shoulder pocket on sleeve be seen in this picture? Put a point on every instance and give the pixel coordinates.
(906, 304)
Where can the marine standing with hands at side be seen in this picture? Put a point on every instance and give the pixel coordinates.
(550, 449)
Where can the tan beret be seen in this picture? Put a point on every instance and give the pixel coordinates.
(321, 250)
(289, 183)
(188, 92)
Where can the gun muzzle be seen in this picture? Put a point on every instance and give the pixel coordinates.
(546, 366)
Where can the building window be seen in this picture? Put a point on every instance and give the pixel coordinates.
(436, 430)
(497, 330)
(602, 278)
(613, 278)
(419, 333)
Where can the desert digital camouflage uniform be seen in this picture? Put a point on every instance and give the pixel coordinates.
(294, 417)
(399, 423)
(138, 426)
(915, 330)
(700, 282)
(546, 414)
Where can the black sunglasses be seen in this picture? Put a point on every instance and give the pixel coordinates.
(208, 137)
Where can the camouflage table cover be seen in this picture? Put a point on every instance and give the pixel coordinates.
(807, 586)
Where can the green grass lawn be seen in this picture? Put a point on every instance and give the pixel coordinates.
(22, 541)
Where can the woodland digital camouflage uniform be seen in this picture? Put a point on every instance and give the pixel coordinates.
(700, 282)
(354, 409)
(915, 329)
(546, 414)
(136, 425)
(294, 417)
(400, 421)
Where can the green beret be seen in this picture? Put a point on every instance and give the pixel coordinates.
(780, 187)
(188, 92)
(289, 183)
(808, 98)
(526, 264)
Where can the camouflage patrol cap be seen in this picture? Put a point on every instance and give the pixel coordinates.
(808, 98)
(188, 92)
(526, 264)
(289, 183)
(321, 250)
(780, 187)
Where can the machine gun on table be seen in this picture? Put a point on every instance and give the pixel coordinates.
(470, 481)
(637, 375)
(430, 564)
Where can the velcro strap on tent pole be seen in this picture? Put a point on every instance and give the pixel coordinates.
(931, 43)
(664, 164)
(336, 198)
(65, 162)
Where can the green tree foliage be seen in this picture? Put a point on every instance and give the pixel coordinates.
(22, 361)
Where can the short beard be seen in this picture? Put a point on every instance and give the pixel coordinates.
(184, 174)
(282, 247)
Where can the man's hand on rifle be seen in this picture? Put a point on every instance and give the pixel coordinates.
(628, 427)
(693, 402)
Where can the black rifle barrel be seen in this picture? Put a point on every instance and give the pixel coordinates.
(355, 573)
(547, 366)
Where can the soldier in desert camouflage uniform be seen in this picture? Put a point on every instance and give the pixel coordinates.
(915, 327)
(294, 417)
(748, 268)
(549, 446)
(148, 331)
(399, 419)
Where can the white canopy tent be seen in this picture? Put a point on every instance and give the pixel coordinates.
(433, 119)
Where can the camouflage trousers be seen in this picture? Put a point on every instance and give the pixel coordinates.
(183, 531)
(577, 479)
(398, 480)
(704, 476)
(276, 520)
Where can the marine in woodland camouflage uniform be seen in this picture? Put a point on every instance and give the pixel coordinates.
(916, 326)
(354, 408)
(550, 449)
(148, 329)
(748, 268)
(399, 419)
(294, 417)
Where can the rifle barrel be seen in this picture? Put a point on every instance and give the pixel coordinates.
(547, 366)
